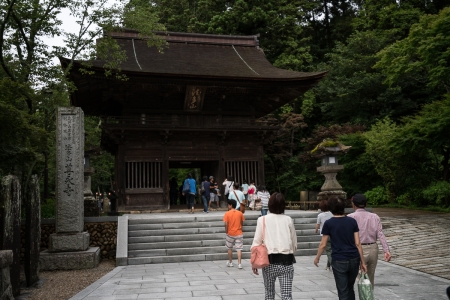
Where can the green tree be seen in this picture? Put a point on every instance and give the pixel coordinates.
(26, 69)
(403, 169)
(353, 91)
(422, 57)
(427, 132)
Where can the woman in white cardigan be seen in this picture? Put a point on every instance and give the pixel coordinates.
(280, 239)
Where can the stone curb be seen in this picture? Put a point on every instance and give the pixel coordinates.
(390, 264)
(97, 284)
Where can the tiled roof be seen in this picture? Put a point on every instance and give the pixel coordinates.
(202, 55)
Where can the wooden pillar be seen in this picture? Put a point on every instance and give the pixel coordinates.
(120, 175)
(261, 179)
(221, 176)
(165, 178)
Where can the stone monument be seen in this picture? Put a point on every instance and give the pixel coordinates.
(68, 247)
(6, 260)
(32, 232)
(10, 227)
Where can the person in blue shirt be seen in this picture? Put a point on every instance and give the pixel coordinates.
(346, 251)
(190, 196)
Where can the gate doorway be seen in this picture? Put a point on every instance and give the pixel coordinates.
(178, 171)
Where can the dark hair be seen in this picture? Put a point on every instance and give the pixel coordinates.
(236, 185)
(262, 188)
(189, 175)
(252, 180)
(336, 204)
(205, 178)
(244, 181)
(232, 203)
(277, 204)
(323, 205)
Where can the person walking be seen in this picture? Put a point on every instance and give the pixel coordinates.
(252, 194)
(214, 192)
(237, 195)
(370, 230)
(347, 256)
(263, 195)
(234, 220)
(205, 192)
(228, 183)
(280, 239)
(244, 188)
(190, 194)
(321, 218)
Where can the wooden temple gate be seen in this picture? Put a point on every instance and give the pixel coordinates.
(198, 105)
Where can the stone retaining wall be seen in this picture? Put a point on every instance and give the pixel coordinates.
(102, 235)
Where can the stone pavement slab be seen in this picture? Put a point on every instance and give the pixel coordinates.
(211, 280)
(418, 239)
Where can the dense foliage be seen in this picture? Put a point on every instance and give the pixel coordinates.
(386, 93)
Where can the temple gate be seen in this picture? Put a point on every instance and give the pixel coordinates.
(196, 105)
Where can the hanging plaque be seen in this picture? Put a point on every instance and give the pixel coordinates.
(194, 98)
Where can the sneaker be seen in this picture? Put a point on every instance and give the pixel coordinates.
(229, 264)
(239, 266)
(327, 268)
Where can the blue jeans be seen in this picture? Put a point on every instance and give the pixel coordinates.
(190, 199)
(345, 272)
(264, 212)
(205, 203)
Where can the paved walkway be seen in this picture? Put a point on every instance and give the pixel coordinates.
(214, 281)
(419, 240)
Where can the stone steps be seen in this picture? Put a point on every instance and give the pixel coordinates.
(164, 238)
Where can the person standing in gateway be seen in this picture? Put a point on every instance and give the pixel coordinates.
(190, 195)
(370, 230)
(234, 220)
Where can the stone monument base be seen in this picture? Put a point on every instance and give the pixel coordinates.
(69, 260)
(327, 194)
(58, 242)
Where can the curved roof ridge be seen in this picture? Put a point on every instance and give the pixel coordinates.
(187, 37)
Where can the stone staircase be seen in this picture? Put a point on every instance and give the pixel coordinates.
(165, 238)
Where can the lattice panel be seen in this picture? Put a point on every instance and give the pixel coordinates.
(241, 170)
(143, 175)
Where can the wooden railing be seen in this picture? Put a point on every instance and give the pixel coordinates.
(187, 121)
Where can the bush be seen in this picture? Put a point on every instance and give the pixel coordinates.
(437, 193)
(48, 209)
(376, 196)
(404, 199)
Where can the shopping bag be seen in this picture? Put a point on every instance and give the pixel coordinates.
(365, 289)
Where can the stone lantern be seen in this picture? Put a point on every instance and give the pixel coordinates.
(90, 203)
(329, 168)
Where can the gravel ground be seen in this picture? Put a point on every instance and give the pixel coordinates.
(62, 285)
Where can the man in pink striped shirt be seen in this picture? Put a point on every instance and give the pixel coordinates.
(370, 230)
